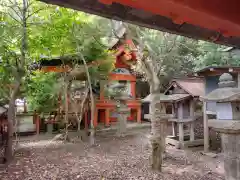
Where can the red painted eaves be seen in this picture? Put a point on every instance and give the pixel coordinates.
(218, 15)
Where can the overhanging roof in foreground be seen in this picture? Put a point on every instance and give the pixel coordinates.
(216, 20)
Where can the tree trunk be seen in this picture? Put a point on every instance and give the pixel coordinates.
(82, 110)
(92, 131)
(157, 136)
(151, 68)
(66, 97)
(11, 121)
(18, 74)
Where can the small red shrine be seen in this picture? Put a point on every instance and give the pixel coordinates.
(105, 108)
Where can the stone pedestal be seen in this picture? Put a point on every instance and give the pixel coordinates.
(120, 95)
(227, 98)
(123, 113)
(231, 148)
(230, 136)
(49, 128)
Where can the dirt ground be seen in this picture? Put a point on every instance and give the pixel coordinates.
(111, 159)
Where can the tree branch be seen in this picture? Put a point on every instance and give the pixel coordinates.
(35, 12)
(12, 8)
(8, 14)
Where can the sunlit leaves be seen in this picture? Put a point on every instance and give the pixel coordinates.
(42, 91)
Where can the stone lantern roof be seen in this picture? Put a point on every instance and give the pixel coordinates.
(226, 92)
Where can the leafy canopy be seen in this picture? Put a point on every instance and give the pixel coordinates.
(51, 31)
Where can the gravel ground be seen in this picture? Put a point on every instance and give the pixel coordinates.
(111, 159)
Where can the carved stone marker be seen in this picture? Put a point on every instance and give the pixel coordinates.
(120, 95)
(123, 113)
(228, 123)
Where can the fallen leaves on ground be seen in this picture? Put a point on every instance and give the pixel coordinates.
(112, 159)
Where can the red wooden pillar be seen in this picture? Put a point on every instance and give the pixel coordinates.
(133, 89)
(139, 115)
(95, 121)
(107, 116)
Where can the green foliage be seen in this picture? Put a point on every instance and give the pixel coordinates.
(51, 32)
(178, 56)
(4, 81)
(214, 55)
(174, 55)
(42, 92)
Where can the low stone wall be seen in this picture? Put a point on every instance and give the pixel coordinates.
(214, 138)
(199, 128)
(215, 141)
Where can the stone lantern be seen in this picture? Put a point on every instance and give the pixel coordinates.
(227, 98)
(120, 95)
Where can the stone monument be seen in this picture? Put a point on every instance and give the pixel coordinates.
(227, 98)
(120, 95)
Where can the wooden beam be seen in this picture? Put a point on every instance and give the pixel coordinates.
(180, 125)
(181, 134)
(192, 110)
(206, 130)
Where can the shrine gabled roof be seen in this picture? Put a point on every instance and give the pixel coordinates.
(193, 86)
(166, 98)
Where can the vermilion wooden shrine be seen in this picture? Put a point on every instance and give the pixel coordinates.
(105, 108)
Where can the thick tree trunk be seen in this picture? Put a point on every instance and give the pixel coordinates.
(152, 68)
(157, 136)
(11, 121)
(156, 157)
(18, 74)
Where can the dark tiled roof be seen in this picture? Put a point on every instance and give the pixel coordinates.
(216, 67)
(58, 61)
(193, 86)
(165, 98)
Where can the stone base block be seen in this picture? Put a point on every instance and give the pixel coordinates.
(187, 143)
(231, 148)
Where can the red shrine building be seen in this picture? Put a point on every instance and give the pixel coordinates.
(105, 108)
